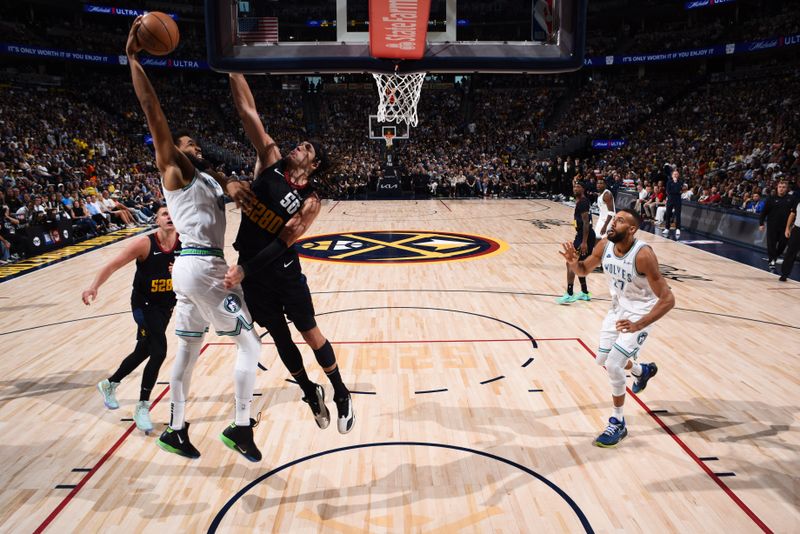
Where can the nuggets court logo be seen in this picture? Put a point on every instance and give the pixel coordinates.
(232, 303)
(397, 246)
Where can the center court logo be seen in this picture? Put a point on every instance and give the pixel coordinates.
(397, 246)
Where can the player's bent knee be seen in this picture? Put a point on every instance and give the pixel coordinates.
(602, 356)
(189, 342)
(615, 365)
(249, 344)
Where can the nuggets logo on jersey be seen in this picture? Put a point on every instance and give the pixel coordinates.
(397, 246)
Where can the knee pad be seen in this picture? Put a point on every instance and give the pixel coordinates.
(325, 355)
(615, 365)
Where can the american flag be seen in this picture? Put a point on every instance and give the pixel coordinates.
(258, 29)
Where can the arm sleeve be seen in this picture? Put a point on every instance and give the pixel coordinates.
(267, 255)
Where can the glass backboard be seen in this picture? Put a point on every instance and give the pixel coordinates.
(332, 36)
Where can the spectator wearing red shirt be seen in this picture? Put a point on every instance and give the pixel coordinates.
(713, 198)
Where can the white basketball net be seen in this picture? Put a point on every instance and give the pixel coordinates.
(399, 94)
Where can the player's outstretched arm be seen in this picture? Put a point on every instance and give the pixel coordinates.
(583, 267)
(174, 166)
(295, 227)
(266, 150)
(138, 249)
(647, 264)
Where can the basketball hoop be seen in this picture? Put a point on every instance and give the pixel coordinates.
(388, 136)
(399, 96)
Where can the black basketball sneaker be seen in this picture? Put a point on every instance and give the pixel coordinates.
(177, 442)
(240, 439)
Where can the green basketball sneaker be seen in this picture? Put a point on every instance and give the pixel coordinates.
(566, 298)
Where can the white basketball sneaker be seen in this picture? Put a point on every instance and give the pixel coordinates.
(109, 392)
(141, 416)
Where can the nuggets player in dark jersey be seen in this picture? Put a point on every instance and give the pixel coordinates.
(583, 243)
(152, 301)
(283, 205)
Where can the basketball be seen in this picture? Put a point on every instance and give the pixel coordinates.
(158, 33)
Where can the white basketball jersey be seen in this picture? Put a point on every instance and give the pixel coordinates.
(629, 290)
(198, 212)
(604, 211)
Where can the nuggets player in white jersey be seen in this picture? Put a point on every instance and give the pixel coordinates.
(195, 201)
(605, 203)
(639, 297)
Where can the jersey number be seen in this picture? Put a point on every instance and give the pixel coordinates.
(620, 284)
(265, 218)
(161, 285)
(290, 202)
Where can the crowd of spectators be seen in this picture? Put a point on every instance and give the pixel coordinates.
(64, 159)
(78, 152)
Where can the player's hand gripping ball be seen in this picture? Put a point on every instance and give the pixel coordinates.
(157, 33)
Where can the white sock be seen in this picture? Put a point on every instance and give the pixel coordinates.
(618, 413)
(243, 412)
(176, 418)
(636, 369)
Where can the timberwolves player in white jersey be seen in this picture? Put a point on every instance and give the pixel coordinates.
(605, 203)
(197, 208)
(639, 297)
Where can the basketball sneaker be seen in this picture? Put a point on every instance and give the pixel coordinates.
(318, 409)
(240, 439)
(109, 392)
(347, 416)
(612, 435)
(649, 370)
(177, 442)
(583, 296)
(141, 416)
(677, 232)
(665, 231)
(566, 298)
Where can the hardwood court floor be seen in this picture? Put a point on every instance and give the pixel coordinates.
(457, 428)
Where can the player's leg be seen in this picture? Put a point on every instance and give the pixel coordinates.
(608, 336)
(239, 435)
(299, 306)
(570, 296)
(191, 324)
(621, 358)
(313, 394)
(108, 387)
(176, 437)
(323, 352)
(584, 294)
(228, 313)
(156, 320)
